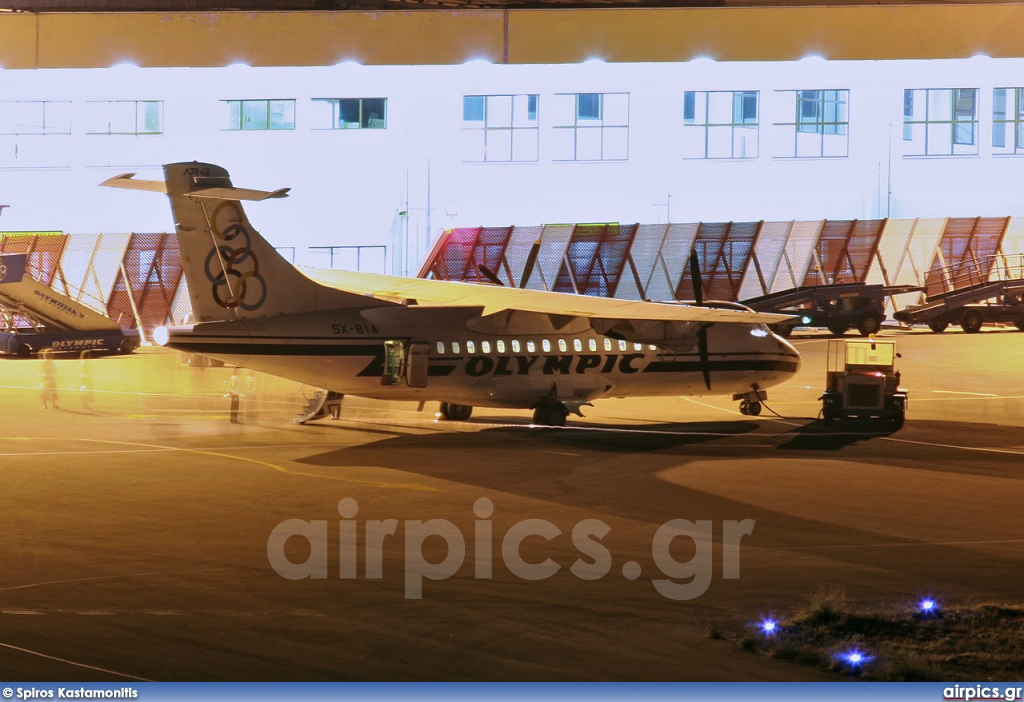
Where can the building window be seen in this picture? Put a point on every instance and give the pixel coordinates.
(261, 114)
(355, 113)
(500, 128)
(135, 117)
(821, 126)
(940, 122)
(1008, 120)
(720, 124)
(591, 127)
(35, 117)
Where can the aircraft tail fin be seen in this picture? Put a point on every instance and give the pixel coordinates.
(232, 271)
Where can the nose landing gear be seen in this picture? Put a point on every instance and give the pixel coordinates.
(750, 401)
(751, 408)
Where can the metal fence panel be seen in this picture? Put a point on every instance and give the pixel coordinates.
(765, 259)
(797, 255)
(553, 246)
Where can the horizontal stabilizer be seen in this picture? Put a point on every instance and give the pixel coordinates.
(238, 193)
(128, 182)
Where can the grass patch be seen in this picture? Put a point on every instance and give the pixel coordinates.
(898, 643)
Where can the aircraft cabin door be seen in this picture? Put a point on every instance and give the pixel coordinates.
(416, 365)
(394, 355)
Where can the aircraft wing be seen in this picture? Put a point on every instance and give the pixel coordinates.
(494, 299)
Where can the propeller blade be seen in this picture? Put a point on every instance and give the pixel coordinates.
(702, 349)
(531, 261)
(698, 287)
(489, 274)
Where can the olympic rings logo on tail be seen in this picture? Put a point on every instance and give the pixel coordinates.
(234, 271)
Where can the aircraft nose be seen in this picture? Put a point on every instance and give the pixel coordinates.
(788, 349)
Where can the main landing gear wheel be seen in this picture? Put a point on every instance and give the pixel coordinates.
(456, 413)
(550, 414)
(750, 408)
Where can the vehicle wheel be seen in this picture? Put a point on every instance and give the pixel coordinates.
(754, 409)
(456, 413)
(745, 407)
(550, 415)
(938, 327)
(972, 321)
(24, 351)
(870, 322)
(126, 347)
(838, 329)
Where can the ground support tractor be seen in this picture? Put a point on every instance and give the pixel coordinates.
(862, 382)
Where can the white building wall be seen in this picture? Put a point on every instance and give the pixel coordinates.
(362, 186)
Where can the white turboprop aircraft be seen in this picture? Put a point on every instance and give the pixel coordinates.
(462, 344)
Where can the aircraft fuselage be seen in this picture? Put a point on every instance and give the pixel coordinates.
(509, 361)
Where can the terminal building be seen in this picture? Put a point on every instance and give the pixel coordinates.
(391, 128)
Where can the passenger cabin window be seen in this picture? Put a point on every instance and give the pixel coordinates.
(470, 347)
(501, 346)
(530, 346)
(622, 345)
(562, 346)
(592, 344)
(545, 344)
(638, 347)
(455, 347)
(516, 348)
(607, 344)
(577, 345)
(440, 347)
(485, 347)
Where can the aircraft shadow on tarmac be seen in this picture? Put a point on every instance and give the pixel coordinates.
(623, 474)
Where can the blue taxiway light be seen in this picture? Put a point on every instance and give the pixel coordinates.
(855, 658)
